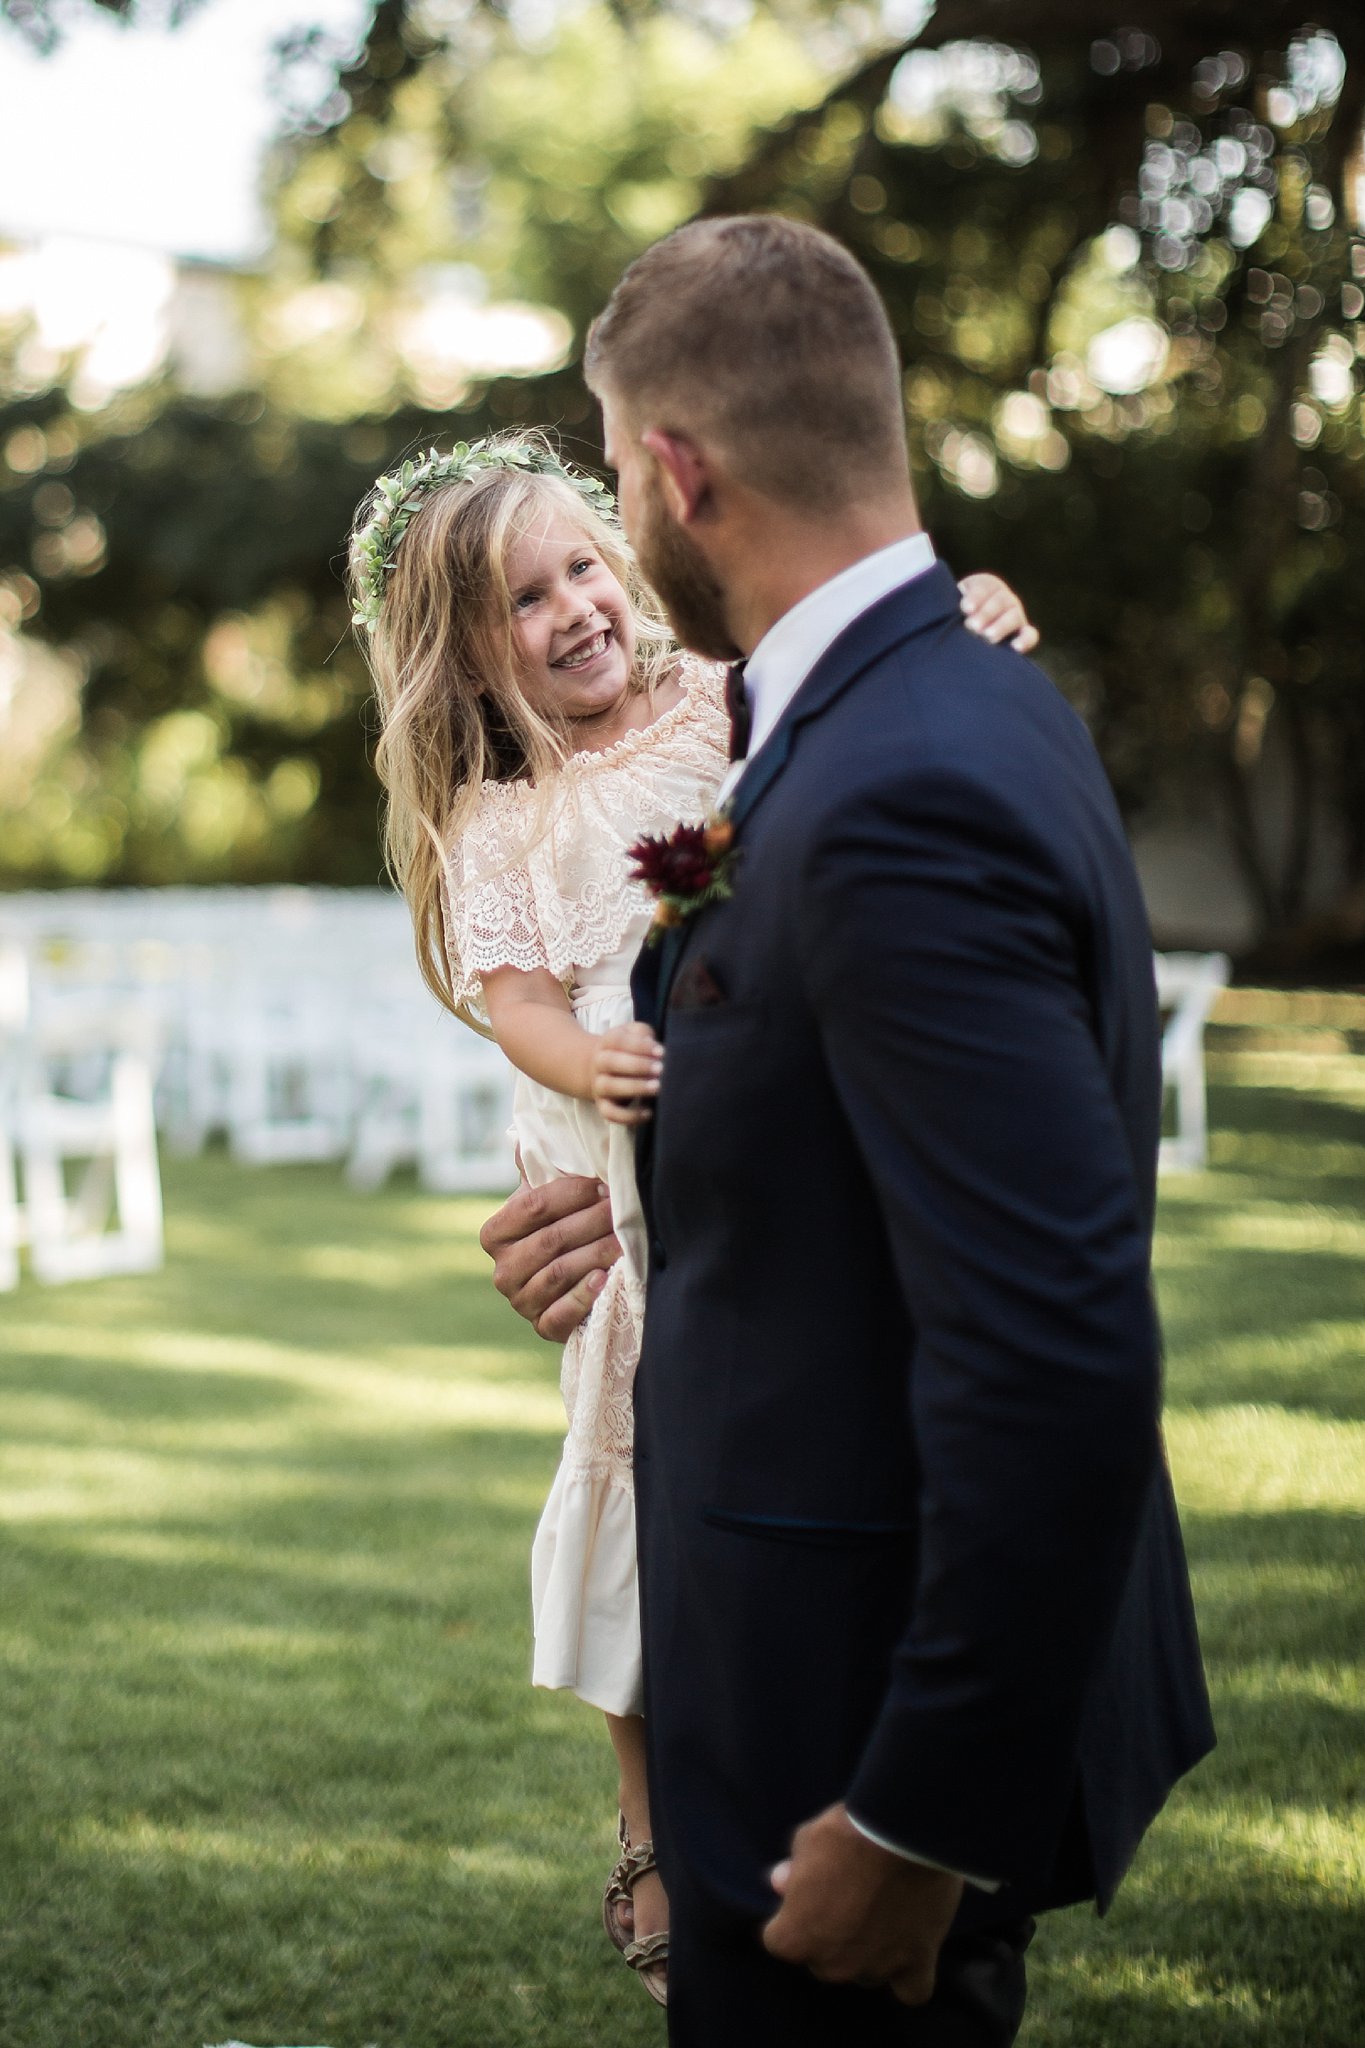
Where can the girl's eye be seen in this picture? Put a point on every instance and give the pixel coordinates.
(524, 599)
(586, 562)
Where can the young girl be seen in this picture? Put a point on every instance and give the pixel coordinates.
(537, 720)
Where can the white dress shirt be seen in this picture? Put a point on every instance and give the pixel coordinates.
(775, 671)
(790, 648)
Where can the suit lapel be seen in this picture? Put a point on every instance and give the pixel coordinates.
(766, 766)
(668, 952)
(644, 984)
(650, 980)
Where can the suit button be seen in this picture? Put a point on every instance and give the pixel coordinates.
(657, 1254)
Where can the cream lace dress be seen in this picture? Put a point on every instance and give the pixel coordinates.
(537, 886)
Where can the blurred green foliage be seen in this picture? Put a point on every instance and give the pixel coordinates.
(1189, 547)
(1127, 273)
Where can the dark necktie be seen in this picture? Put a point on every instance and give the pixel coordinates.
(741, 715)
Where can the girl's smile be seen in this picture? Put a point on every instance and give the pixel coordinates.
(589, 651)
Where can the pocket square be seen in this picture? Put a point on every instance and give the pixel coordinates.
(696, 988)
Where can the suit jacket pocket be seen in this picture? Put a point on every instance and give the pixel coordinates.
(812, 1531)
(695, 987)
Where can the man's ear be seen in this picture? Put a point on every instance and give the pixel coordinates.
(684, 470)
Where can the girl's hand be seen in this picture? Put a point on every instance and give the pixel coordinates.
(626, 1065)
(990, 608)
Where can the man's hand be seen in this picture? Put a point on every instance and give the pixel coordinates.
(857, 1914)
(551, 1247)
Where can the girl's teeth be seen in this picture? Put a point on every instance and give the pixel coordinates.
(589, 653)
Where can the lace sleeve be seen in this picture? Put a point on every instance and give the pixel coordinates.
(490, 903)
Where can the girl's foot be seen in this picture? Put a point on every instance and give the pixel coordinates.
(635, 1913)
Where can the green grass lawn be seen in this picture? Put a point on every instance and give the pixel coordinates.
(269, 1766)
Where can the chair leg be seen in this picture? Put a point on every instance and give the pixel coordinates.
(10, 1214)
(137, 1170)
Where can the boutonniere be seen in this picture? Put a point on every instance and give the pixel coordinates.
(685, 871)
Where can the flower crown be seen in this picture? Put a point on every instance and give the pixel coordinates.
(398, 496)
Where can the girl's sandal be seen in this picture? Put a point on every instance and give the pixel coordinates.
(649, 1957)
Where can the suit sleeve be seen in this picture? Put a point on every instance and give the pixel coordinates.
(943, 962)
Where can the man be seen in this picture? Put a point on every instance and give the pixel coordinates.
(919, 1653)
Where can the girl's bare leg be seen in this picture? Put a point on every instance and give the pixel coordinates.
(650, 1902)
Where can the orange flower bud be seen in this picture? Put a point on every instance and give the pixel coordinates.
(718, 838)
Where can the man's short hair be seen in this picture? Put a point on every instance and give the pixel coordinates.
(764, 336)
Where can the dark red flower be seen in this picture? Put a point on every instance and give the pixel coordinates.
(680, 865)
(685, 871)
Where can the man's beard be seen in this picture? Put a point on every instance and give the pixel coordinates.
(675, 567)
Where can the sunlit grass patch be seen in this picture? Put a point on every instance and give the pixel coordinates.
(1244, 1458)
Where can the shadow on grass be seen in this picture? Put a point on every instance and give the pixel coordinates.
(1320, 1389)
(1294, 1114)
(1236, 1960)
(127, 1395)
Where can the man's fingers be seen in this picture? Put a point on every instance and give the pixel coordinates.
(915, 1986)
(551, 1247)
(517, 1264)
(854, 1913)
(562, 1274)
(563, 1317)
(532, 1209)
(790, 1938)
(782, 1938)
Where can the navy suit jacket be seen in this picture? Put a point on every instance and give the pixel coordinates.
(906, 1533)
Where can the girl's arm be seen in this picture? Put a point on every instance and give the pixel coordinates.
(990, 608)
(533, 1022)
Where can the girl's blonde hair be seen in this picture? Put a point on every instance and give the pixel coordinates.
(447, 672)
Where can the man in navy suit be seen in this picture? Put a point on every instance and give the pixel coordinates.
(919, 1653)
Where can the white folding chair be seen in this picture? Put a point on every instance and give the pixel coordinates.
(464, 1108)
(1188, 985)
(85, 1134)
(430, 1094)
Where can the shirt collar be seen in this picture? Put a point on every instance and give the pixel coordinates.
(790, 648)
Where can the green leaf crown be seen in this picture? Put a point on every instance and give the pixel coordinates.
(397, 497)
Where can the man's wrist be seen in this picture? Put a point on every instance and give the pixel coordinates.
(984, 1884)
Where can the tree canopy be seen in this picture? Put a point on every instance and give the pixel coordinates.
(1126, 267)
